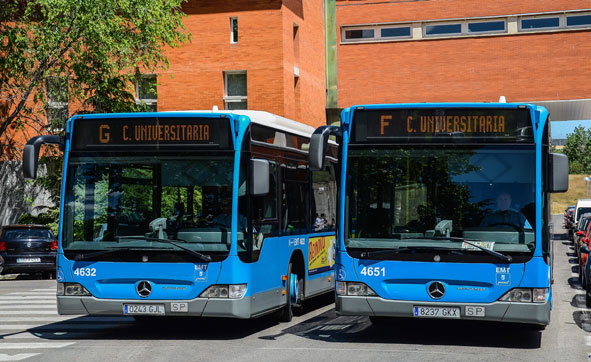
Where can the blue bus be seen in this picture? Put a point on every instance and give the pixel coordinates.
(201, 213)
(444, 211)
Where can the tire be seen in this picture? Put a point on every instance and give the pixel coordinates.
(285, 314)
(588, 296)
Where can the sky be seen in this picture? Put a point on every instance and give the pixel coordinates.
(561, 129)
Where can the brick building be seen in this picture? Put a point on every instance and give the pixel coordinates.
(466, 50)
(263, 55)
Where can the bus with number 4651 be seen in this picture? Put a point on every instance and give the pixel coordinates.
(200, 213)
(444, 211)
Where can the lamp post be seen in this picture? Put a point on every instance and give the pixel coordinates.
(586, 187)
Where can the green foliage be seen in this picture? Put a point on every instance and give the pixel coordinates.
(85, 54)
(98, 48)
(50, 218)
(578, 150)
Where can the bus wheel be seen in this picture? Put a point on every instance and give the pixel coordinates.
(285, 314)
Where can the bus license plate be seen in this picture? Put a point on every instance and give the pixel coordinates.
(436, 312)
(143, 308)
(28, 260)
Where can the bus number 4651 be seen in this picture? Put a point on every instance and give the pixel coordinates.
(373, 271)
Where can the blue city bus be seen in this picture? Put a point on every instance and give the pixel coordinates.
(444, 211)
(201, 213)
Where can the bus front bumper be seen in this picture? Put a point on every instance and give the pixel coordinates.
(530, 313)
(198, 307)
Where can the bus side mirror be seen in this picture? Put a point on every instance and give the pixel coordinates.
(318, 142)
(558, 173)
(31, 152)
(259, 177)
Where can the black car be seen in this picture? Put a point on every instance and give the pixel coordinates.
(28, 249)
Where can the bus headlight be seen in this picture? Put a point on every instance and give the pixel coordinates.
(231, 291)
(526, 295)
(72, 289)
(354, 289)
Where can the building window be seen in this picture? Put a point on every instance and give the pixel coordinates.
(57, 102)
(468, 27)
(540, 23)
(397, 32)
(578, 20)
(359, 34)
(235, 90)
(146, 91)
(443, 29)
(233, 30)
(486, 26)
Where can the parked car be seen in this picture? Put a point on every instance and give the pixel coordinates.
(580, 231)
(569, 207)
(586, 271)
(28, 249)
(568, 221)
(583, 206)
(580, 247)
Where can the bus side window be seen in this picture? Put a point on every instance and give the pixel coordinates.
(264, 215)
(294, 198)
(323, 200)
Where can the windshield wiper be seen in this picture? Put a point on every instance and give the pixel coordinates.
(171, 242)
(506, 258)
(99, 253)
(405, 249)
(369, 254)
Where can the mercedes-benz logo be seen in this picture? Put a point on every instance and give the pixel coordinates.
(436, 290)
(29, 244)
(144, 288)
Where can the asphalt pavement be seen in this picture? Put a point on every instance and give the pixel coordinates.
(31, 330)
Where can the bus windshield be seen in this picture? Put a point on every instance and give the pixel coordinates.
(414, 202)
(129, 207)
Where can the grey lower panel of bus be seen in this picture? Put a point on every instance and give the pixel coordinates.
(319, 286)
(246, 307)
(534, 313)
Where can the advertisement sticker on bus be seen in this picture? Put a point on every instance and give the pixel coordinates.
(321, 254)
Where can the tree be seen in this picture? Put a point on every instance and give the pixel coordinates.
(578, 150)
(83, 53)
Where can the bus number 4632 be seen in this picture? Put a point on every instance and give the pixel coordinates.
(373, 271)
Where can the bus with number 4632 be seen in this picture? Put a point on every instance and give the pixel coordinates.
(444, 211)
(200, 213)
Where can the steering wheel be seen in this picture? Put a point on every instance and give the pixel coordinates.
(518, 228)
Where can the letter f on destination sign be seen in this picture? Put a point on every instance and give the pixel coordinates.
(384, 124)
(104, 136)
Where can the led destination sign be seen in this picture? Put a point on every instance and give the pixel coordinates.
(150, 132)
(466, 123)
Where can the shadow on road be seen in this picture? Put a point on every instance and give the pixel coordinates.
(332, 328)
(12, 277)
(166, 328)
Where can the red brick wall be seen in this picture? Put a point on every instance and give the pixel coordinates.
(265, 50)
(548, 66)
(307, 103)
